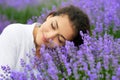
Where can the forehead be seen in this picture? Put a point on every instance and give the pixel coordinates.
(65, 26)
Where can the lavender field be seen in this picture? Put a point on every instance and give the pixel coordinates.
(97, 59)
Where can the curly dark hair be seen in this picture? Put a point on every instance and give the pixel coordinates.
(79, 20)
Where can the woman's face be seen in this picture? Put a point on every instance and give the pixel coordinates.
(55, 31)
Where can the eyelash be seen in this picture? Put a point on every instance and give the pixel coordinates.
(59, 40)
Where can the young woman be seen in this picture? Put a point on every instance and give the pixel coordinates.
(18, 39)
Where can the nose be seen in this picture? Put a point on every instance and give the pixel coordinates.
(51, 35)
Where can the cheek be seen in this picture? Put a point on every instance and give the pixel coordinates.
(56, 42)
(70, 35)
(38, 39)
(45, 28)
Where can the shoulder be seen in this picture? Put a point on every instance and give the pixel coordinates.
(17, 28)
(18, 31)
(11, 28)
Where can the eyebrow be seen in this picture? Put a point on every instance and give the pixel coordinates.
(58, 28)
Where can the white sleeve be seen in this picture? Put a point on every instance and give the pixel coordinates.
(8, 47)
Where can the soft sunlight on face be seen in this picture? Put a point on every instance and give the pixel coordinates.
(58, 29)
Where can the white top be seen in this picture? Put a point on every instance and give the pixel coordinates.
(15, 41)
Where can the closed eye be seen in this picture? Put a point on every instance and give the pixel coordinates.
(52, 25)
(61, 39)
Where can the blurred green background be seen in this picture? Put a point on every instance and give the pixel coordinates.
(28, 12)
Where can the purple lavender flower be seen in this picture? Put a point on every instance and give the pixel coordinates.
(3, 22)
(19, 4)
(97, 58)
(90, 61)
(102, 14)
